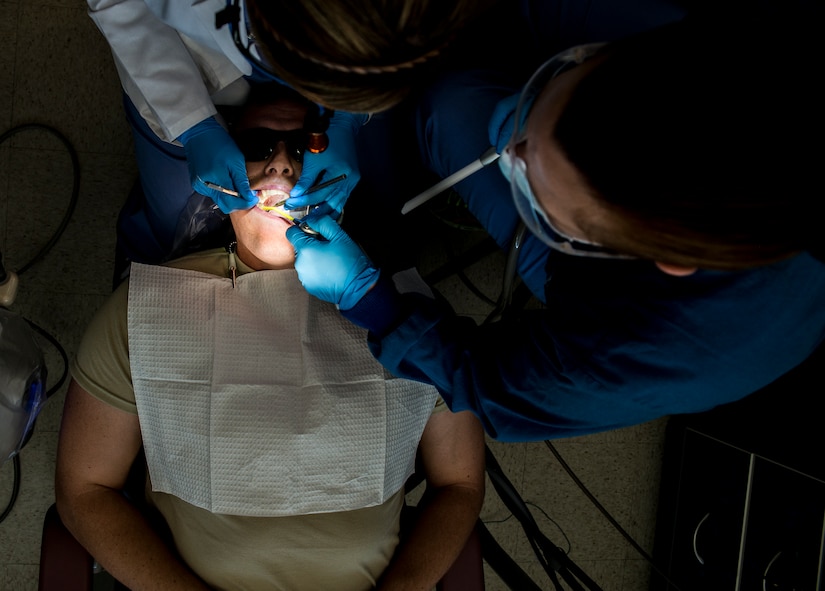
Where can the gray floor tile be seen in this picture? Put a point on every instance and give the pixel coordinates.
(39, 188)
(67, 79)
(606, 573)
(507, 533)
(20, 532)
(548, 486)
(5, 152)
(503, 526)
(511, 458)
(635, 575)
(477, 291)
(491, 580)
(650, 432)
(647, 466)
(18, 577)
(82, 260)
(8, 46)
(611, 575)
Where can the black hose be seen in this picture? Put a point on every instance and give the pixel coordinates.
(37, 258)
(75, 187)
(15, 489)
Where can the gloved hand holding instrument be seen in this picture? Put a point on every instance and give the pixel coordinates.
(215, 160)
(217, 168)
(331, 267)
(338, 159)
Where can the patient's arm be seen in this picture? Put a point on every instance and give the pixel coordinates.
(97, 446)
(452, 455)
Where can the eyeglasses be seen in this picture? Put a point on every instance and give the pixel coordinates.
(514, 168)
(258, 144)
(242, 36)
(317, 119)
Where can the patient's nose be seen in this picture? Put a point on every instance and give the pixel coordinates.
(279, 162)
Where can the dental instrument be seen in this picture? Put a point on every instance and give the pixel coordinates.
(488, 157)
(312, 189)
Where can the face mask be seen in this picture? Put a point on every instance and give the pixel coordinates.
(514, 168)
(517, 176)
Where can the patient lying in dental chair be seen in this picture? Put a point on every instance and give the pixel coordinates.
(277, 448)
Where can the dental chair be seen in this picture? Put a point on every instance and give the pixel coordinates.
(65, 565)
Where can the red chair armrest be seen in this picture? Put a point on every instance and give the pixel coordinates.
(64, 563)
(467, 572)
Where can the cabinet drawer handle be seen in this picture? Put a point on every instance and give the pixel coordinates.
(767, 568)
(695, 535)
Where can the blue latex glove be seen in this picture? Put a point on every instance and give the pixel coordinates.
(333, 269)
(213, 156)
(502, 122)
(339, 158)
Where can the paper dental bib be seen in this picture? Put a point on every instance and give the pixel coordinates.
(261, 400)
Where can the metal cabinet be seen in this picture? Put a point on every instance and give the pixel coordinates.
(742, 500)
(784, 530)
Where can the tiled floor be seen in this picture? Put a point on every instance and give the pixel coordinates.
(55, 69)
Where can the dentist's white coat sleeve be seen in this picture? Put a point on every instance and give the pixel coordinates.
(157, 68)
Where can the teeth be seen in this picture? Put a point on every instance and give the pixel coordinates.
(268, 193)
(272, 201)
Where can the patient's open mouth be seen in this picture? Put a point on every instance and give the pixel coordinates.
(272, 201)
(272, 194)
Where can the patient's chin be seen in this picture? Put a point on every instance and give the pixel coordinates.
(262, 241)
(282, 259)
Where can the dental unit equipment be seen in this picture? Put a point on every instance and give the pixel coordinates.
(488, 157)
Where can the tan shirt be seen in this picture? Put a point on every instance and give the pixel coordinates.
(345, 550)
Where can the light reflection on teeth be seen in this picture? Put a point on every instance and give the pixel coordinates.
(272, 201)
(265, 194)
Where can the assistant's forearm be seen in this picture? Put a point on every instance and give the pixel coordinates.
(413, 336)
(123, 542)
(439, 534)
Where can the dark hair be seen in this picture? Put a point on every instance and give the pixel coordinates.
(700, 136)
(266, 94)
(358, 55)
(272, 92)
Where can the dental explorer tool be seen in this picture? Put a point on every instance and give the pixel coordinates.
(312, 189)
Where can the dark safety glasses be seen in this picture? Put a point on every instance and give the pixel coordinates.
(317, 119)
(258, 144)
